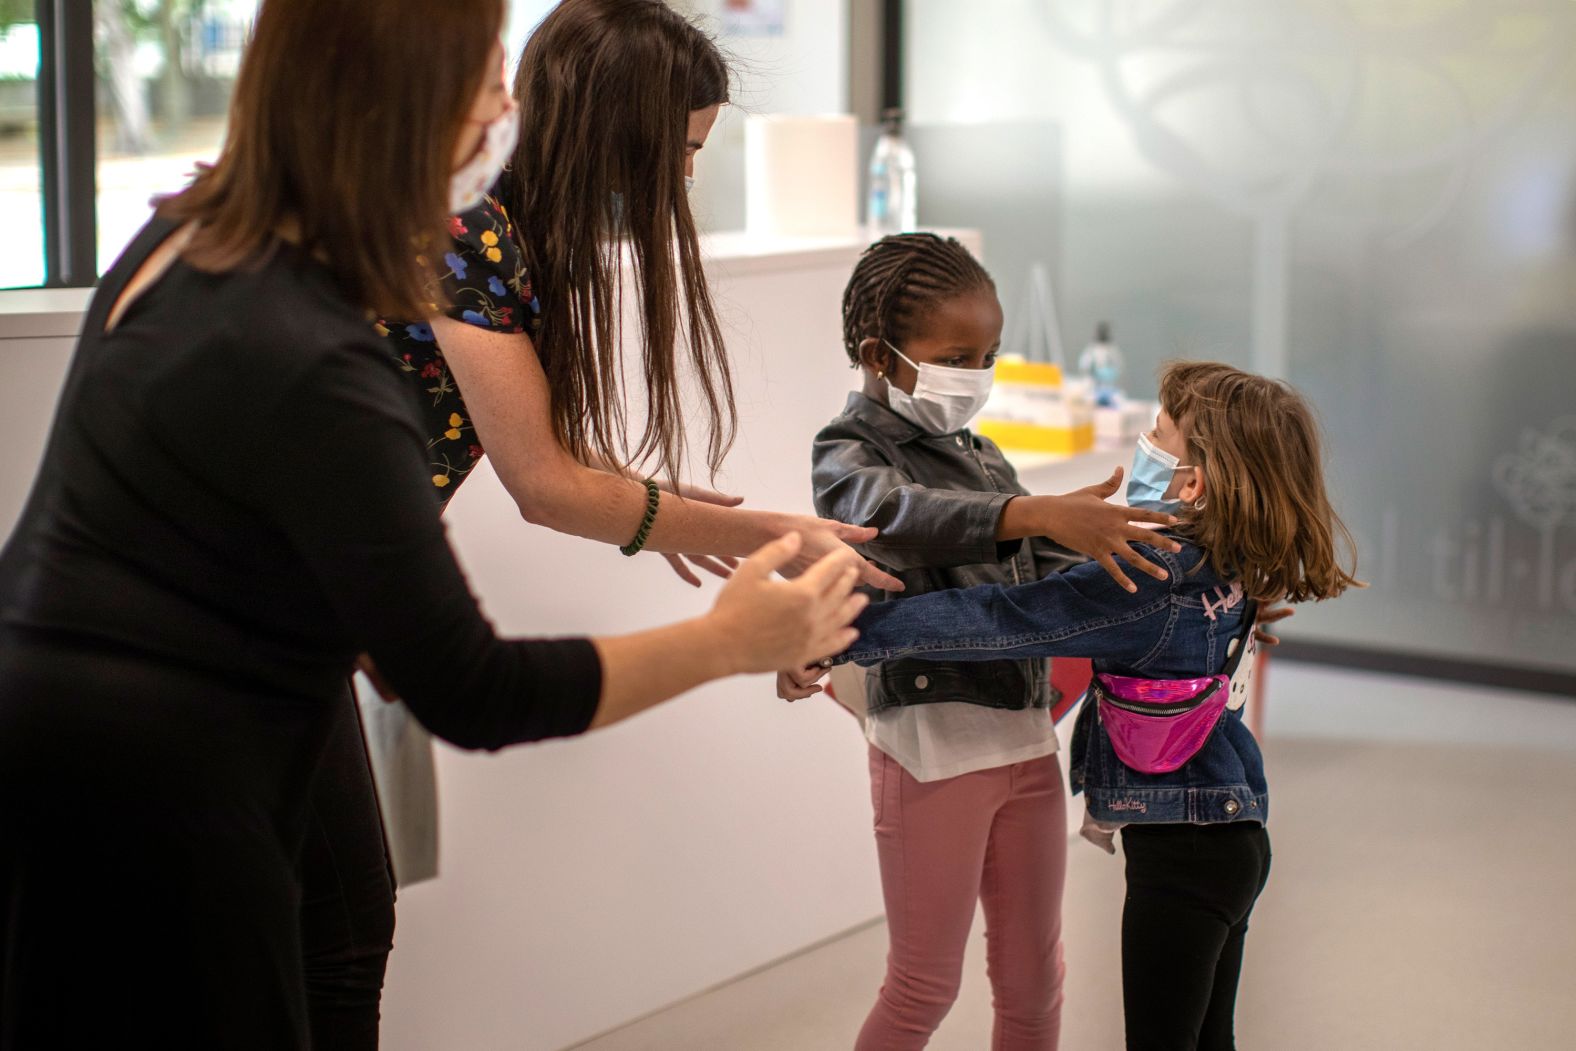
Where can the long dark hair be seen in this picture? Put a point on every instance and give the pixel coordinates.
(605, 89)
(333, 138)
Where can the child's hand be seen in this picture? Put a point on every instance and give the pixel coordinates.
(1270, 616)
(1084, 522)
(795, 684)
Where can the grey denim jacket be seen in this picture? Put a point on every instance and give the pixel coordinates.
(937, 500)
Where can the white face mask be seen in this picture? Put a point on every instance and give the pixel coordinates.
(944, 400)
(475, 177)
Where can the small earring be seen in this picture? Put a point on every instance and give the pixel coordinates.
(880, 375)
(1198, 505)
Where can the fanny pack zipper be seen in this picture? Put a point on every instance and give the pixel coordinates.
(1179, 708)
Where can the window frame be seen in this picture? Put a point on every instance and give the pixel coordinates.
(67, 146)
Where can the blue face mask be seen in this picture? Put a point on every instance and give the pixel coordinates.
(1147, 482)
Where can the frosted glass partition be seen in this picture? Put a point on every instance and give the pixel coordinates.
(1377, 201)
(1002, 180)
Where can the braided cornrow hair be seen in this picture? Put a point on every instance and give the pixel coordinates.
(898, 280)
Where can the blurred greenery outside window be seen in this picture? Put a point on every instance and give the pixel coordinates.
(164, 71)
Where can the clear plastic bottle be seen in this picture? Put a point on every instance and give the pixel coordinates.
(894, 208)
(1101, 362)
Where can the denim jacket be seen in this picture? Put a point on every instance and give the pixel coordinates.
(937, 500)
(1171, 629)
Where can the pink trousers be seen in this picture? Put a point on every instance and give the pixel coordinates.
(996, 836)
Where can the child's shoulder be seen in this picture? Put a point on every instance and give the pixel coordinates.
(1199, 573)
(1189, 570)
(861, 420)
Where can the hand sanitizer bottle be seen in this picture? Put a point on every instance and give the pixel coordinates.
(1101, 362)
(893, 206)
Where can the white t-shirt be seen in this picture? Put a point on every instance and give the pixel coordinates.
(950, 738)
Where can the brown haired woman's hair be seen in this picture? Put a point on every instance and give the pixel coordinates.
(342, 134)
(1266, 519)
(605, 89)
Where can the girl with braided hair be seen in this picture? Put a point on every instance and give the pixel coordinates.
(968, 795)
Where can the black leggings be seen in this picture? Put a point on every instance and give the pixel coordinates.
(1190, 890)
(347, 894)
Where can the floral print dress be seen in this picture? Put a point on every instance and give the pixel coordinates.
(485, 283)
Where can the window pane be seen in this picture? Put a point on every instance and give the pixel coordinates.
(1379, 204)
(166, 70)
(21, 195)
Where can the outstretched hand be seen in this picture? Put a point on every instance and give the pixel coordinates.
(774, 624)
(1084, 521)
(717, 565)
(795, 684)
(686, 491)
(823, 536)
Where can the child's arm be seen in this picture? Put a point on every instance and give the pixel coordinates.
(919, 526)
(1082, 612)
(1083, 522)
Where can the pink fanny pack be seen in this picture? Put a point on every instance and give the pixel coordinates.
(1156, 725)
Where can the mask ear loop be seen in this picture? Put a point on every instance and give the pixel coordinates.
(912, 363)
(881, 373)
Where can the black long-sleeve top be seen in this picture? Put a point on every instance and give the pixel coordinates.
(236, 490)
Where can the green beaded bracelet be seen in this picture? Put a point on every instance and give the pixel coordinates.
(653, 498)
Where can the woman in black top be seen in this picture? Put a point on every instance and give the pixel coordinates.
(233, 503)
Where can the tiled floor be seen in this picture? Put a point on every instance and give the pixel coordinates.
(1421, 897)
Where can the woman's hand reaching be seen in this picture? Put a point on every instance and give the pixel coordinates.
(820, 537)
(770, 624)
(823, 537)
(758, 624)
(717, 565)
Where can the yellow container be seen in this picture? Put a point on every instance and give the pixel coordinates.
(1012, 369)
(1028, 409)
(1039, 438)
